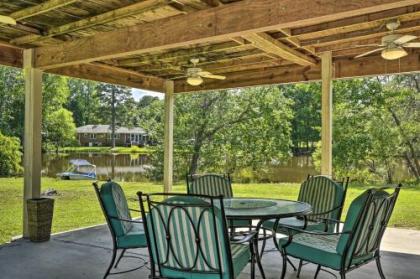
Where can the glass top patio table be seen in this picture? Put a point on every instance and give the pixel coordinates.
(255, 208)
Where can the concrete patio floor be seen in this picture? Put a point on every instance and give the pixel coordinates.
(86, 253)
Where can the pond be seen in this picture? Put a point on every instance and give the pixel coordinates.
(135, 167)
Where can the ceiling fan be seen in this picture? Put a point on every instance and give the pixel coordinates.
(195, 75)
(393, 45)
(7, 20)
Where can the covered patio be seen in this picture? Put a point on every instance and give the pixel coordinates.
(84, 254)
(149, 45)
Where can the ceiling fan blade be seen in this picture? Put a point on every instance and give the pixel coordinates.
(415, 45)
(369, 45)
(405, 39)
(369, 52)
(210, 75)
(7, 20)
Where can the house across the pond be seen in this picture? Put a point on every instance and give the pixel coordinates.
(100, 135)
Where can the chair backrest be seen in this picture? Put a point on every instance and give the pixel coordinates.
(367, 219)
(187, 234)
(114, 205)
(210, 184)
(324, 195)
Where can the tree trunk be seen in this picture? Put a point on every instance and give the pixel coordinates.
(415, 163)
(113, 118)
(195, 157)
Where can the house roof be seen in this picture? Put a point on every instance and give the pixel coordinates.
(106, 129)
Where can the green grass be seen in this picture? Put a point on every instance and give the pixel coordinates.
(107, 149)
(76, 205)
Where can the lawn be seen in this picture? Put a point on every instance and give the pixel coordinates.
(76, 205)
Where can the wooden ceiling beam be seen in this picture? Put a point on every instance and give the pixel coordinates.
(41, 8)
(133, 9)
(361, 35)
(13, 56)
(268, 44)
(214, 24)
(105, 73)
(179, 54)
(344, 68)
(374, 38)
(10, 56)
(347, 25)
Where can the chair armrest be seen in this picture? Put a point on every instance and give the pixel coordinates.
(323, 213)
(248, 237)
(126, 220)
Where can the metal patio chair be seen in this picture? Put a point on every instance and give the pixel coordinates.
(356, 245)
(326, 197)
(188, 238)
(215, 185)
(126, 233)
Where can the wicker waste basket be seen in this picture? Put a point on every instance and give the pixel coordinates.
(40, 214)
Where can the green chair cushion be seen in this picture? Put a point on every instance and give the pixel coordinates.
(135, 238)
(318, 249)
(293, 222)
(241, 255)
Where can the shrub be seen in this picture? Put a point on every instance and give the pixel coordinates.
(10, 155)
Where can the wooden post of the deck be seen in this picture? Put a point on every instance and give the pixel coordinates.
(326, 113)
(32, 134)
(169, 136)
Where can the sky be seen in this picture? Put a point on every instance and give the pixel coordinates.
(139, 93)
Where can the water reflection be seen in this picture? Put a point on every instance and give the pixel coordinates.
(120, 167)
(136, 167)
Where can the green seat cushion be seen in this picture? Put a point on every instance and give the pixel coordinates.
(314, 248)
(241, 254)
(134, 238)
(293, 222)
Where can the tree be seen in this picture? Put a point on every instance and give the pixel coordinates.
(225, 131)
(113, 97)
(12, 101)
(375, 127)
(10, 155)
(306, 123)
(83, 101)
(61, 129)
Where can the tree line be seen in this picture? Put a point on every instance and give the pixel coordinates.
(375, 123)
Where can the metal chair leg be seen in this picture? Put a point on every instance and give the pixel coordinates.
(299, 268)
(318, 268)
(114, 255)
(342, 275)
(264, 243)
(119, 258)
(378, 264)
(252, 246)
(284, 257)
(291, 264)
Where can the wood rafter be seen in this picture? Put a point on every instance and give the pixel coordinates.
(224, 22)
(42, 8)
(133, 9)
(344, 68)
(361, 35)
(267, 44)
(370, 21)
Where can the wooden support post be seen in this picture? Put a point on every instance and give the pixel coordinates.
(169, 136)
(32, 136)
(326, 113)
